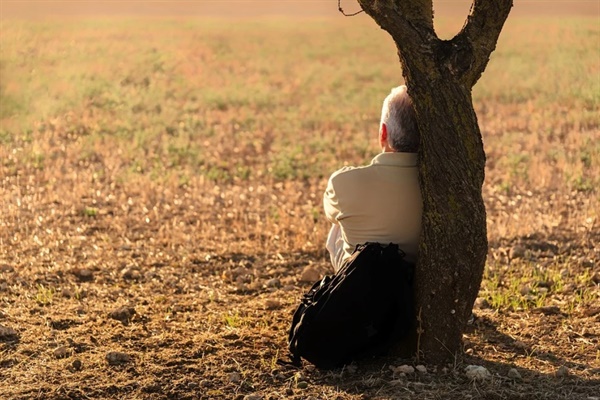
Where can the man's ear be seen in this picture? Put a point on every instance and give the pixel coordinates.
(383, 136)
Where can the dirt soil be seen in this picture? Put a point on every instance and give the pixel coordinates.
(106, 306)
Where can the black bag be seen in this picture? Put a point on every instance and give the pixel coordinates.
(358, 312)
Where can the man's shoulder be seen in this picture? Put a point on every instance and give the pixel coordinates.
(348, 177)
(347, 172)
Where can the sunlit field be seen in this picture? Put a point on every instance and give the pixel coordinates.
(160, 206)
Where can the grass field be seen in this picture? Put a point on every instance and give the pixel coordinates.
(160, 197)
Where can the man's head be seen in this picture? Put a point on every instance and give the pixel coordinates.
(398, 130)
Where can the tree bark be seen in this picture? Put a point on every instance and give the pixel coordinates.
(440, 75)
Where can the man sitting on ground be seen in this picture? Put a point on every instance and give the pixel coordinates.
(380, 202)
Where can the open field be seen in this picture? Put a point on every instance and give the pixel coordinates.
(160, 196)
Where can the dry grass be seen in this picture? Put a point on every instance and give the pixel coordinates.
(177, 167)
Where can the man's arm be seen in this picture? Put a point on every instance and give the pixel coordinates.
(331, 203)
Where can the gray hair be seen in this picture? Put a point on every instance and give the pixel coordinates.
(399, 117)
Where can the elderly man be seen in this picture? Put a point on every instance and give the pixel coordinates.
(380, 202)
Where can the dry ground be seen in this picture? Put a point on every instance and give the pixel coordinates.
(161, 198)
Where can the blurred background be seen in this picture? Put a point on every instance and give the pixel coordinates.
(244, 8)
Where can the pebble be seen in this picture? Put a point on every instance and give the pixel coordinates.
(273, 283)
(6, 332)
(76, 364)
(520, 345)
(422, 369)
(252, 397)
(482, 303)
(588, 264)
(562, 372)
(404, 369)
(517, 252)
(61, 352)
(514, 374)
(83, 274)
(272, 304)
(116, 358)
(309, 274)
(477, 372)
(130, 274)
(6, 268)
(302, 385)
(235, 377)
(123, 314)
(289, 288)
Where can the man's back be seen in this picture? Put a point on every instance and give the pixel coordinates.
(380, 203)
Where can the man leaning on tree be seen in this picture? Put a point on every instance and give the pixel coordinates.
(380, 202)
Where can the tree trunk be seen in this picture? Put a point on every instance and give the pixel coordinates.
(440, 75)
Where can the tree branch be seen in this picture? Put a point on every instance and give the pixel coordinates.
(482, 30)
(409, 22)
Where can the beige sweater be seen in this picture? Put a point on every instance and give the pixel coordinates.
(380, 202)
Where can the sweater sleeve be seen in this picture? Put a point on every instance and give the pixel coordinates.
(331, 203)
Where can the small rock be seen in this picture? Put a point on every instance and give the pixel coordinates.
(76, 364)
(302, 385)
(309, 274)
(548, 310)
(422, 369)
(205, 383)
(123, 314)
(482, 303)
(514, 374)
(403, 369)
(524, 290)
(253, 397)
(6, 268)
(477, 372)
(587, 264)
(273, 283)
(255, 285)
(116, 358)
(517, 252)
(289, 288)
(241, 273)
(289, 391)
(61, 352)
(590, 312)
(279, 376)
(520, 345)
(235, 377)
(272, 304)
(130, 274)
(83, 274)
(6, 332)
(562, 372)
